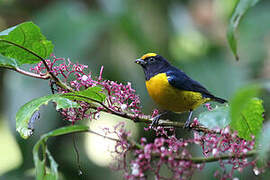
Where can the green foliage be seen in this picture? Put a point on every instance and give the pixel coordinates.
(8, 62)
(26, 35)
(263, 145)
(26, 112)
(217, 118)
(63, 101)
(91, 93)
(52, 172)
(239, 11)
(247, 112)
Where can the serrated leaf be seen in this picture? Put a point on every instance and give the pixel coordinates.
(26, 112)
(91, 93)
(247, 112)
(219, 117)
(7, 62)
(240, 10)
(241, 98)
(263, 145)
(52, 172)
(27, 35)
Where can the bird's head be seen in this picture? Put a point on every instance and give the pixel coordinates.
(152, 60)
(152, 64)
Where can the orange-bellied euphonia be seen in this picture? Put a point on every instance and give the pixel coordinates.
(171, 88)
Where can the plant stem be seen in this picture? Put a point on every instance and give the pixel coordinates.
(34, 75)
(148, 120)
(199, 160)
(106, 137)
(144, 119)
(53, 77)
(29, 51)
(196, 160)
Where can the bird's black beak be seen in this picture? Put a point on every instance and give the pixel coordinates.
(140, 61)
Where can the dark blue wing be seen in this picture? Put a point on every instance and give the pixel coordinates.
(180, 80)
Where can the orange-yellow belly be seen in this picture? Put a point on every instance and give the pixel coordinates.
(171, 98)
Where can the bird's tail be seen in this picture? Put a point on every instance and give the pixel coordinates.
(220, 100)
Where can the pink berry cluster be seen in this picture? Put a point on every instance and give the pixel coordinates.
(172, 153)
(223, 143)
(122, 145)
(119, 97)
(165, 151)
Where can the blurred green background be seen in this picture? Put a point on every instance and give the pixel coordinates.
(113, 33)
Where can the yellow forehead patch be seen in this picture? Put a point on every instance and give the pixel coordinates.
(148, 55)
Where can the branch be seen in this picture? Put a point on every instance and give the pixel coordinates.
(148, 119)
(106, 137)
(31, 52)
(144, 118)
(34, 75)
(199, 160)
(196, 160)
(53, 77)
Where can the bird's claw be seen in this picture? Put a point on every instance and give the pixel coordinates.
(188, 122)
(155, 121)
(187, 125)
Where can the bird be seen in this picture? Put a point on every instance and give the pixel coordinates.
(171, 88)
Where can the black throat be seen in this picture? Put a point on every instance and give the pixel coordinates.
(151, 71)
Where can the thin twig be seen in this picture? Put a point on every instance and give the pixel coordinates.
(58, 81)
(199, 160)
(34, 75)
(77, 154)
(31, 52)
(106, 137)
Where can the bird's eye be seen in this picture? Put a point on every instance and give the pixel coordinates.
(151, 60)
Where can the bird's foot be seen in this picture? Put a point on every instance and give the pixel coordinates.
(187, 125)
(188, 122)
(155, 121)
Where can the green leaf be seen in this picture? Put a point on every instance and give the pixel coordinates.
(91, 93)
(241, 8)
(40, 169)
(217, 118)
(25, 114)
(8, 62)
(50, 176)
(67, 130)
(27, 35)
(263, 145)
(51, 173)
(247, 112)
